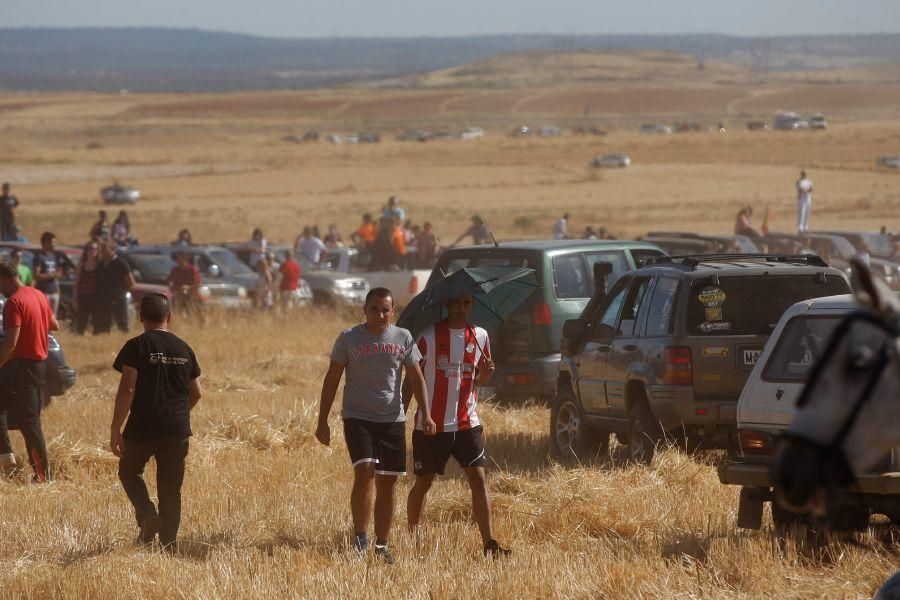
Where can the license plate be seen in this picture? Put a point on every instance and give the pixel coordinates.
(751, 356)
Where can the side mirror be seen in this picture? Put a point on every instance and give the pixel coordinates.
(575, 329)
(602, 271)
(213, 271)
(604, 332)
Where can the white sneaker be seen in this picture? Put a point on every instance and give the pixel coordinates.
(7, 464)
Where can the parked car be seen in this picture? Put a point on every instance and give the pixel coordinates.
(329, 288)
(60, 377)
(471, 133)
(549, 131)
(757, 126)
(767, 407)
(655, 128)
(716, 244)
(404, 284)
(678, 246)
(226, 280)
(119, 194)
(521, 131)
(790, 122)
(666, 352)
(889, 162)
(817, 122)
(414, 135)
(612, 161)
(526, 349)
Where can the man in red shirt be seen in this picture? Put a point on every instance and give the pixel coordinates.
(185, 282)
(27, 323)
(290, 279)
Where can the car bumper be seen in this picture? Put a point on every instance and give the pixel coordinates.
(757, 476)
(351, 298)
(229, 302)
(60, 380)
(535, 378)
(676, 408)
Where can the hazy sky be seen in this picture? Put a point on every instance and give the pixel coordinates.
(382, 18)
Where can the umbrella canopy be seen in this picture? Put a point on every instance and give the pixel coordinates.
(497, 292)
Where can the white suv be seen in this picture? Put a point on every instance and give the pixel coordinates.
(767, 406)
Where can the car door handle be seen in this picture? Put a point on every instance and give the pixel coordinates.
(629, 348)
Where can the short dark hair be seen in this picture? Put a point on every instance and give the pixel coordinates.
(379, 292)
(15, 252)
(8, 271)
(47, 236)
(155, 308)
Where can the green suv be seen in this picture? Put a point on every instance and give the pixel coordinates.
(526, 349)
(665, 354)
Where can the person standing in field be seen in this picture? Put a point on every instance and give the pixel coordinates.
(158, 388)
(84, 296)
(290, 279)
(25, 275)
(456, 359)
(27, 322)
(479, 230)
(48, 268)
(8, 206)
(561, 228)
(372, 355)
(364, 236)
(804, 202)
(257, 247)
(114, 281)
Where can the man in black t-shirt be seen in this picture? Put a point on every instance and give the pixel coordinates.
(48, 267)
(114, 281)
(160, 384)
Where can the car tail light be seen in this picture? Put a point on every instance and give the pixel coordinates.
(678, 365)
(519, 378)
(413, 285)
(756, 443)
(540, 314)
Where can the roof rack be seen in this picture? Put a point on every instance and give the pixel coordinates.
(693, 260)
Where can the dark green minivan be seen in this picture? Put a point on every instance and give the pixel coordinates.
(526, 349)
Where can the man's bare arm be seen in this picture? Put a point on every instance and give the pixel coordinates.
(420, 391)
(124, 398)
(194, 392)
(54, 324)
(9, 344)
(329, 390)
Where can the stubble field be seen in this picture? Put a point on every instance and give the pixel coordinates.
(265, 506)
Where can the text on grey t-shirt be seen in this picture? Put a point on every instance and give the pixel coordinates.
(373, 367)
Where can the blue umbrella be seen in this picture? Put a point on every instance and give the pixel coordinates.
(497, 292)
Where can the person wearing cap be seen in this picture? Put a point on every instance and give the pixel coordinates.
(158, 388)
(27, 322)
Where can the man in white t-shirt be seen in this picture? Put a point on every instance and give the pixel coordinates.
(456, 357)
(804, 202)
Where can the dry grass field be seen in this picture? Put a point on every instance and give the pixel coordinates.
(266, 510)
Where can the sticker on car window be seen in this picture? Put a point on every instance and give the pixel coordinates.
(712, 326)
(712, 299)
(716, 352)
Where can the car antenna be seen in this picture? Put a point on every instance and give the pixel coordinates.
(493, 239)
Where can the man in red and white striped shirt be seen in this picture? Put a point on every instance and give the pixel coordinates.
(456, 357)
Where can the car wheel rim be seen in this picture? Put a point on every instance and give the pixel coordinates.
(567, 425)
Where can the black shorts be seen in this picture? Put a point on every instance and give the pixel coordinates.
(381, 443)
(431, 453)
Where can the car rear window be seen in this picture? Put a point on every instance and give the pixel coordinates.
(752, 305)
(799, 347)
(455, 263)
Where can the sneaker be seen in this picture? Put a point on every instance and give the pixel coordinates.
(382, 553)
(495, 550)
(361, 544)
(149, 529)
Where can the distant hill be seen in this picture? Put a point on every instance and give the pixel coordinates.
(157, 59)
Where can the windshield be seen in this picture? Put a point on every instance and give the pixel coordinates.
(879, 245)
(152, 267)
(229, 263)
(448, 267)
(752, 305)
(839, 247)
(799, 347)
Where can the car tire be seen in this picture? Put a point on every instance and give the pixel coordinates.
(570, 435)
(783, 519)
(323, 299)
(644, 433)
